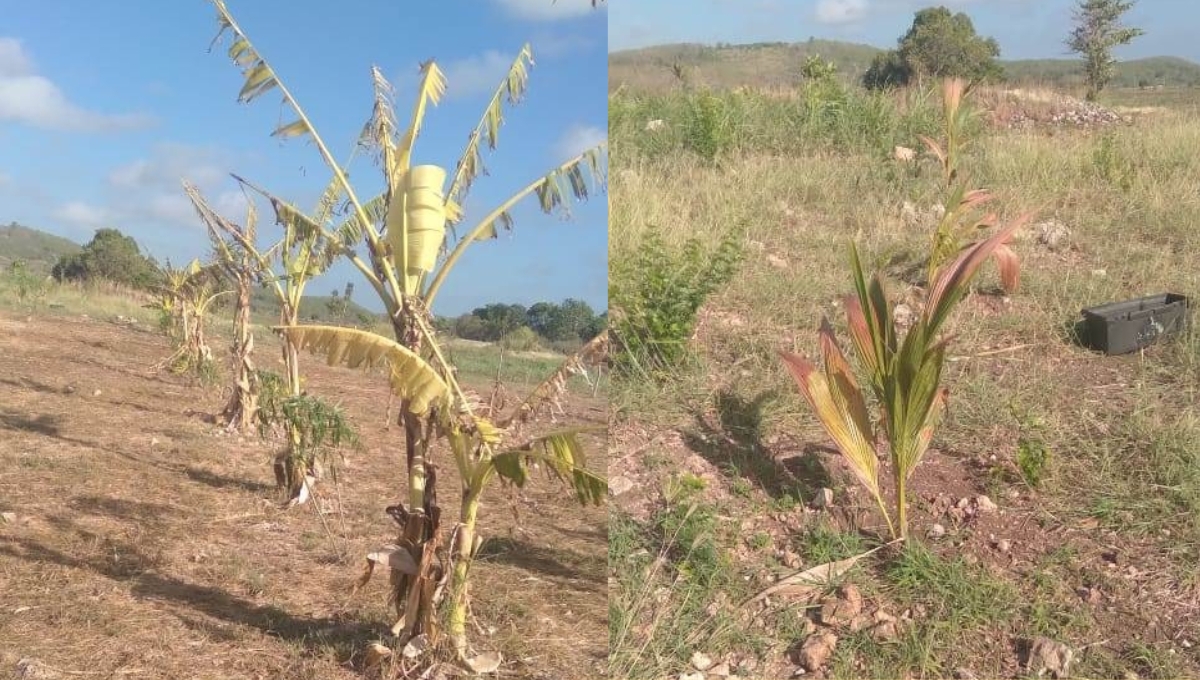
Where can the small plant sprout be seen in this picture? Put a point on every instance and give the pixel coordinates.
(904, 374)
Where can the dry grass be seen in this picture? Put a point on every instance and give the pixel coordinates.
(146, 543)
(1123, 431)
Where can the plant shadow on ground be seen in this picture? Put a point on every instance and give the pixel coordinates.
(546, 561)
(137, 567)
(735, 443)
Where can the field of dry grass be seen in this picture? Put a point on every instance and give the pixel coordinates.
(720, 460)
(139, 540)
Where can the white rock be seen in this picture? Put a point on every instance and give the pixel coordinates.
(701, 661)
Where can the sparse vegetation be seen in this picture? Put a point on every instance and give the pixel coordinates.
(1055, 473)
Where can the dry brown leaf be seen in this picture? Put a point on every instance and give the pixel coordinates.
(488, 662)
(812, 580)
(375, 654)
(395, 557)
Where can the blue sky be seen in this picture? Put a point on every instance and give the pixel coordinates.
(1025, 29)
(105, 106)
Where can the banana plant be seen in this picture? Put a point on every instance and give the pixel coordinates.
(285, 269)
(185, 297)
(903, 374)
(482, 452)
(410, 238)
(239, 266)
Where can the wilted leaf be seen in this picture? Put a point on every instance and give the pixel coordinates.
(411, 377)
(395, 557)
(813, 580)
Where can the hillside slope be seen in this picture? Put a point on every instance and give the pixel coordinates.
(778, 65)
(38, 249)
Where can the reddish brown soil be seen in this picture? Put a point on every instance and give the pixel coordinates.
(146, 543)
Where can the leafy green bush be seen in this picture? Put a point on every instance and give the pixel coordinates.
(656, 293)
(708, 126)
(522, 339)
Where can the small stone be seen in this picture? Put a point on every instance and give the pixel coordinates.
(885, 631)
(1012, 494)
(844, 608)
(1004, 545)
(985, 504)
(654, 125)
(618, 485)
(1052, 233)
(817, 649)
(776, 261)
(97, 392)
(790, 559)
(701, 661)
(721, 670)
(823, 499)
(936, 532)
(1048, 656)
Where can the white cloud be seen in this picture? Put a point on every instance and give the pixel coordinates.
(549, 10)
(477, 74)
(577, 139)
(841, 11)
(26, 97)
(148, 192)
(80, 214)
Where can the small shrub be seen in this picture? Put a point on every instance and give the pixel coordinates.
(657, 292)
(521, 339)
(1033, 460)
(1112, 164)
(31, 288)
(708, 128)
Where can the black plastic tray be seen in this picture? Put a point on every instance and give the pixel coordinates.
(1130, 325)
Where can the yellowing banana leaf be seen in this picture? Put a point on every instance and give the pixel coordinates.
(412, 379)
(564, 458)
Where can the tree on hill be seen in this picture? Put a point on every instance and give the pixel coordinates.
(939, 44)
(110, 255)
(1098, 29)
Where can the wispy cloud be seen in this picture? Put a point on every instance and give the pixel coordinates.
(477, 74)
(32, 99)
(577, 139)
(841, 11)
(147, 191)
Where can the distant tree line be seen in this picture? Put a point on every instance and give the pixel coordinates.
(561, 325)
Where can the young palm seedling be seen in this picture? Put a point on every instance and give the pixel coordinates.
(903, 374)
(185, 298)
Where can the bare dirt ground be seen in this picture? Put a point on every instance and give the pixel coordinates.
(140, 541)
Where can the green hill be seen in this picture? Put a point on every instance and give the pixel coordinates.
(39, 250)
(778, 65)
(313, 309)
